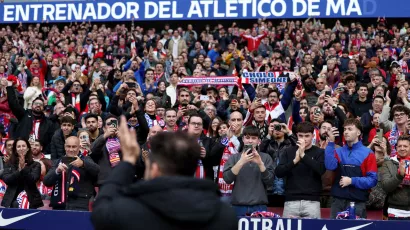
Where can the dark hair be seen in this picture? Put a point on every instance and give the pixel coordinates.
(277, 120)
(175, 153)
(251, 131)
(388, 146)
(149, 70)
(403, 138)
(378, 96)
(400, 108)
(305, 127)
(14, 158)
(48, 163)
(67, 119)
(169, 109)
(219, 127)
(90, 115)
(362, 85)
(9, 139)
(211, 131)
(71, 110)
(194, 115)
(355, 122)
(108, 117)
(326, 121)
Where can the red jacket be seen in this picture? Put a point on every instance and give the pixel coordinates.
(41, 72)
(254, 42)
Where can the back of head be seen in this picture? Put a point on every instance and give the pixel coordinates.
(176, 154)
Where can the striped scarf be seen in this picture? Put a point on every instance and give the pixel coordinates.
(113, 147)
(200, 171)
(165, 129)
(393, 136)
(75, 101)
(224, 188)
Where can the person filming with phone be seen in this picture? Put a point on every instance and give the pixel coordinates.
(106, 149)
(72, 178)
(252, 172)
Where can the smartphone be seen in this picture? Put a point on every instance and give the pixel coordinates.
(114, 123)
(84, 138)
(379, 134)
(402, 77)
(295, 70)
(131, 84)
(204, 98)
(328, 93)
(324, 68)
(67, 160)
(292, 75)
(317, 112)
(246, 147)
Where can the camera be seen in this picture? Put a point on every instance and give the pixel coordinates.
(277, 127)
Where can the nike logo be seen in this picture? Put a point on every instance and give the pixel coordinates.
(5, 222)
(358, 227)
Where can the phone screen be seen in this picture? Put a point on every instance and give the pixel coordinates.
(67, 160)
(114, 123)
(246, 147)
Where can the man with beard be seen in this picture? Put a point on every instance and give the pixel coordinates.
(35, 69)
(309, 85)
(91, 122)
(367, 117)
(58, 141)
(171, 121)
(76, 93)
(168, 182)
(36, 149)
(32, 123)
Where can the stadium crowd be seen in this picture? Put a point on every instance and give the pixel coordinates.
(338, 128)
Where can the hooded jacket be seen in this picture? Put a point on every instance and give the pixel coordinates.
(162, 203)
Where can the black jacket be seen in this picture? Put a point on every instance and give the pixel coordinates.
(99, 154)
(171, 203)
(273, 149)
(88, 174)
(358, 108)
(18, 181)
(57, 149)
(303, 180)
(25, 122)
(84, 96)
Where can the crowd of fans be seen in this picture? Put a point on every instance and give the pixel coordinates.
(339, 129)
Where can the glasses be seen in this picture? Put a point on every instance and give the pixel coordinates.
(196, 123)
(38, 103)
(397, 115)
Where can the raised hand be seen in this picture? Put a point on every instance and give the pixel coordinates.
(129, 146)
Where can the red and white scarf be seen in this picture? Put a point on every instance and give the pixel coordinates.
(75, 101)
(273, 111)
(35, 130)
(165, 129)
(200, 170)
(406, 180)
(224, 188)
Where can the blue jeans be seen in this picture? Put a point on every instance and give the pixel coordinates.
(242, 210)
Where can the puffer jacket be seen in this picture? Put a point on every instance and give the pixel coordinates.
(398, 194)
(274, 149)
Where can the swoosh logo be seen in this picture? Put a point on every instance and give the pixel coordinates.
(5, 222)
(358, 227)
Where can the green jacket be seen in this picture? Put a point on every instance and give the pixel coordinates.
(398, 195)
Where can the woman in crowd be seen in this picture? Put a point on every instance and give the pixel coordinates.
(22, 173)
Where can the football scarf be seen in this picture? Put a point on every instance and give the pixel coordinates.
(224, 188)
(113, 147)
